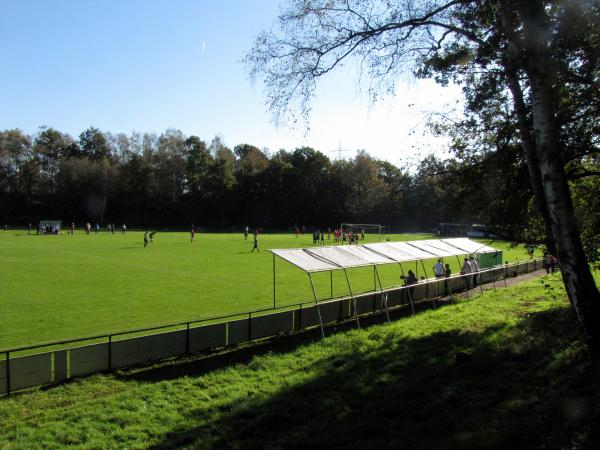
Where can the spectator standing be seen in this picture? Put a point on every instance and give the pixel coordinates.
(466, 271)
(410, 280)
(474, 270)
(447, 273)
(438, 268)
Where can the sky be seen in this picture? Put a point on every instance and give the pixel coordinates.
(151, 65)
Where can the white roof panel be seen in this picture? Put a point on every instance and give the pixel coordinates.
(397, 252)
(318, 259)
(435, 250)
(469, 246)
(364, 252)
(338, 256)
(303, 260)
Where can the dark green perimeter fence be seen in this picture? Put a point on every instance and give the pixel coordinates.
(19, 369)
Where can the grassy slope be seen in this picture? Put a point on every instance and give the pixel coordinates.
(505, 370)
(59, 287)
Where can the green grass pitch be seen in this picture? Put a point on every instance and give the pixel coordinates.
(71, 286)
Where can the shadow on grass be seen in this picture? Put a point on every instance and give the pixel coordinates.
(517, 386)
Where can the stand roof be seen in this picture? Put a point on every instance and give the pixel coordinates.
(319, 259)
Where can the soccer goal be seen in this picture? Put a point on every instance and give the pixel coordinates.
(49, 226)
(380, 231)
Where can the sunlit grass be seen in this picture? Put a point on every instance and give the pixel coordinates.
(61, 287)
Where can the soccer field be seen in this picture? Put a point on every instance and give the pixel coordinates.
(71, 286)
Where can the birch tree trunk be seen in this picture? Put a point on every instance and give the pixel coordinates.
(579, 282)
(511, 58)
(528, 145)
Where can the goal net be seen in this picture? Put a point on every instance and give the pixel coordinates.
(49, 226)
(380, 231)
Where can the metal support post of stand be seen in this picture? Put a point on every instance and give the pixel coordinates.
(353, 299)
(331, 284)
(383, 296)
(317, 305)
(427, 285)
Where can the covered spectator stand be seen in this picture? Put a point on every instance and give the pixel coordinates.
(343, 257)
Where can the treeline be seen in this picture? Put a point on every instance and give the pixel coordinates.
(173, 180)
(176, 180)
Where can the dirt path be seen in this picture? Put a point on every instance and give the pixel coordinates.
(511, 281)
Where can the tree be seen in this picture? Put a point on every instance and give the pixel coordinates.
(94, 145)
(86, 186)
(15, 153)
(315, 37)
(15, 150)
(199, 161)
(169, 164)
(364, 190)
(50, 146)
(540, 67)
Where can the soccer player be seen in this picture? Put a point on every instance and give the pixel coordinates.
(152, 236)
(255, 242)
(145, 239)
(193, 234)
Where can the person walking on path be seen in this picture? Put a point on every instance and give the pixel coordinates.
(547, 262)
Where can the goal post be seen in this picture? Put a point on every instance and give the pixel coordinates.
(368, 228)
